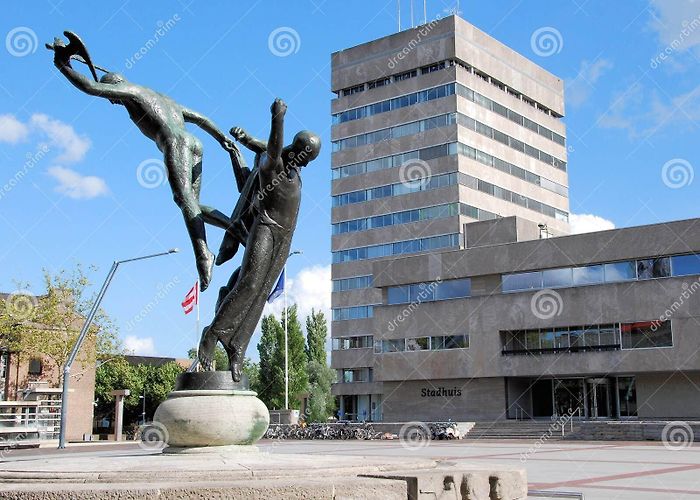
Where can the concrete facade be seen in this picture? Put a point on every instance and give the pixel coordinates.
(500, 141)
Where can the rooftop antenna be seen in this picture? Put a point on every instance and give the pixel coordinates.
(425, 12)
(398, 9)
(412, 23)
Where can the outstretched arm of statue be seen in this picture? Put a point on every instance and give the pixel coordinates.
(255, 145)
(84, 83)
(276, 142)
(208, 126)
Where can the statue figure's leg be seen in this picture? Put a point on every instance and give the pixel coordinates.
(236, 353)
(181, 159)
(205, 352)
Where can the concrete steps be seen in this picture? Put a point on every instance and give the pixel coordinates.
(512, 429)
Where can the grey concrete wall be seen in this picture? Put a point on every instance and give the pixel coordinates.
(670, 395)
(479, 399)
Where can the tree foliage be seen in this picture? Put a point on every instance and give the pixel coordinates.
(49, 325)
(321, 403)
(156, 382)
(316, 333)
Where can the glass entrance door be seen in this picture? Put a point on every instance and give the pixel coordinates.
(598, 396)
(569, 397)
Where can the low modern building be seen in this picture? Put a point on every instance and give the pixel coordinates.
(598, 325)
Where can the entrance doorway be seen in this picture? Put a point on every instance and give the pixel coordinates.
(599, 397)
(569, 397)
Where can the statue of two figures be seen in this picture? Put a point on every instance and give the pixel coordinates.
(264, 217)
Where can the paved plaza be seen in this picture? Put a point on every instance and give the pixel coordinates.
(602, 471)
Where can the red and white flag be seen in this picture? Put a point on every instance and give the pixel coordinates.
(191, 299)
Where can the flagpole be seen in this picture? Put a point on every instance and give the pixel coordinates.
(196, 324)
(286, 344)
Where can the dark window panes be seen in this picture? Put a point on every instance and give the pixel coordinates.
(519, 341)
(685, 265)
(587, 275)
(561, 338)
(646, 334)
(576, 337)
(547, 339)
(627, 389)
(437, 343)
(556, 277)
(653, 268)
(456, 342)
(620, 271)
(398, 295)
(453, 289)
(532, 339)
(522, 281)
(417, 344)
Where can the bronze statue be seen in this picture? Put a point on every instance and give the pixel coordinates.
(266, 218)
(162, 120)
(263, 220)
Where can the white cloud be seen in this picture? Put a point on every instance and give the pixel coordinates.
(675, 22)
(309, 289)
(62, 136)
(77, 186)
(12, 130)
(579, 88)
(589, 223)
(139, 346)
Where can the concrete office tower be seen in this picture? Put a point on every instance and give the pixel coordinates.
(433, 128)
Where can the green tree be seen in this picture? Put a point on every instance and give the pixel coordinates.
(220, 357)
(298, 360)
(321, 403)
(253, 371)
(271, 367)
(316, 333)
(48, 325)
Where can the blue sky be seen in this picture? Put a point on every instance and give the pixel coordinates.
(631, 122)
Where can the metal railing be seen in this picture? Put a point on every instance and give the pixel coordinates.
(554, 494)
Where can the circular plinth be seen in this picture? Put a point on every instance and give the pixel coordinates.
(211, 417)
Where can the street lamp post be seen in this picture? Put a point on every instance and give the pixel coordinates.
(286, 336)
(83, 334)
(143, 408)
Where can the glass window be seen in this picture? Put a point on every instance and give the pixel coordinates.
(627, 389)
(522, 281)
(556, 277)
(608, 335)
(591, 336)
(561, 338)
(453, 289)
(547, 339)
(685, 265)
(418, 344)
(646, 334)
(456, 342)
(576, 337)
(437, 343)
(532, 339)
(620, 271)
(587, 275)
(653, 268)
(422, 292)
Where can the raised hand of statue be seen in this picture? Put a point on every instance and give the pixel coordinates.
(238, 133)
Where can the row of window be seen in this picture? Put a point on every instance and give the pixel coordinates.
(434, 182)
(398, 248)
(429, 292)
(640, 335)
(395, 132)
(511, 169)
(396, 218)
(612, 272)
(435, 343)
(354, 312)
(510, 196)
(355, 283)
(476, 213)
(438, 93)
(354, 342)
(431, 68)
(443, 150)
(511, 142)
(350, 375)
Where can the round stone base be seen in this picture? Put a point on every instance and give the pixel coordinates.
(233, 449)
(205, 418)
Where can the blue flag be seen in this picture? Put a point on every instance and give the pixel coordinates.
(279, 288)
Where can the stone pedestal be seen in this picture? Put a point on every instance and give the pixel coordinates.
(207, 409)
